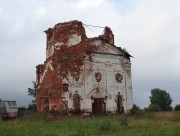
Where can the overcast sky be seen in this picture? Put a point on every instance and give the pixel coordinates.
(148, 29)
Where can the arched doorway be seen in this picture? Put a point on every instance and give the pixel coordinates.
(76, 103)
(119, 104)
(98, 97)
(98, 106)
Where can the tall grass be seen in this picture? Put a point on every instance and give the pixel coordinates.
(149, 124)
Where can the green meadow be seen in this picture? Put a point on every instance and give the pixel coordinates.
(49, 124)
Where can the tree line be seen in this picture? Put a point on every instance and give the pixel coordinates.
(160, 100)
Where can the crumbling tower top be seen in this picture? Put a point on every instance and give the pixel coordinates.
(69, 34)
(108, 35)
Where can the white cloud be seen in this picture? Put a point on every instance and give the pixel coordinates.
(88, 3)
(0, 11)
(41, 11)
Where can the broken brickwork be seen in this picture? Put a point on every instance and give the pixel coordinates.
(83, 75)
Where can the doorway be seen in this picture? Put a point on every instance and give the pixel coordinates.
(98, 106)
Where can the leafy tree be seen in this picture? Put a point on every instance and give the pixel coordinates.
(32, 91)
(161, 98)
(154, 107)
(177, 107)
(32, 106)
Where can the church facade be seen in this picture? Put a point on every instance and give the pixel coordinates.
(83, 75)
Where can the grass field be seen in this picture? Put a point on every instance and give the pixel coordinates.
(146, 124)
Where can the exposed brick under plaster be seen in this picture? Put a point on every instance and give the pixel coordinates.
(68, 48)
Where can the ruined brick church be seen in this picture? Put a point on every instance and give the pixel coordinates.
(83, 75)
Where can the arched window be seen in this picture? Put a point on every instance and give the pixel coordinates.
(76, 103)
(119, 104)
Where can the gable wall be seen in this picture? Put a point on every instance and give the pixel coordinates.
(108, 66)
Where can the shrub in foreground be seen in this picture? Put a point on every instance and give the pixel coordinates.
(136, 110)
(154, 108)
